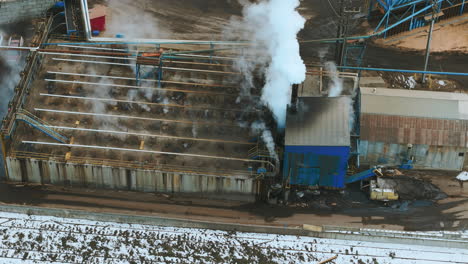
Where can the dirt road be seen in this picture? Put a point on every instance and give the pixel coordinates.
(350, 210)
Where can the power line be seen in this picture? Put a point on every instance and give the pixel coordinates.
(334, 10)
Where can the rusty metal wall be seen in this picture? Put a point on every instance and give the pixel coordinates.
(97, 176)
(414, 130)
(425, 156)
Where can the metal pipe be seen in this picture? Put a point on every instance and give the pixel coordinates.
(145, 103)
(197, 63)
(95, 62)
(113, 54)
(428, 50)
(87, 56)
(19, 48)
(85, 47)
(121, 41)
(151, 135)
(136, 117)
(141, 87)
(197, 51)
(165, 68)
(144, 80)
(429, 40)
(405, 71)
(141, 151)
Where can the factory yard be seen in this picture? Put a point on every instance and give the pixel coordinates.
(351, 209)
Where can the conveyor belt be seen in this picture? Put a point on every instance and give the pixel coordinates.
(69, 17)
(73, 16)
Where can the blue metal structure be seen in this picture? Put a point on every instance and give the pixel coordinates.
(323, 166)
(409, 14)
(360, 176)
(28, 118)
(69, 18)
(318, 142)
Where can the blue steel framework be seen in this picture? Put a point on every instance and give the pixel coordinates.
(400, 16)
(399, 11)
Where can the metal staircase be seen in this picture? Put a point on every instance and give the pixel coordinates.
(271, 164)
(37, 123)
(258, 152)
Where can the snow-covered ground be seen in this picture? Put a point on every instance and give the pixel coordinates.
(44, 239)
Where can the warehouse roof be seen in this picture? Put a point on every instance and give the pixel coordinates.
(414, 103)
(320, 121)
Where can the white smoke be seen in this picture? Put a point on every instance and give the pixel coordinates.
(273, 26)
(11, 64)
(267, 137)
(336, 85)
(132, 19)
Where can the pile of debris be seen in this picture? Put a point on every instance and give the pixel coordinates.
(409, 188)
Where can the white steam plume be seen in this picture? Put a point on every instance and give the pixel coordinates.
(131, 18)
(267, 137)
(336, 86)
(273, 26)
(11, 64)
(10, 67)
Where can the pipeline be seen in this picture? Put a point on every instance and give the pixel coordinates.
(142, 151)
(405, 71)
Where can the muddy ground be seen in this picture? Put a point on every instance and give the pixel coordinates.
(352, 208)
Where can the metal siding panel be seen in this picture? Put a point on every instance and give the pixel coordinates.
(417, 135)
(462, 139)
(14, 169)
(423, 137)
(363, 144)
(440, 141)
(466, 139)
(312, 155)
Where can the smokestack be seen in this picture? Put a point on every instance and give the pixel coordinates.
(294, 95)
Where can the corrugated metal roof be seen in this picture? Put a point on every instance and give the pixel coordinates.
(414, 130)
(414, 103)
(320, 121)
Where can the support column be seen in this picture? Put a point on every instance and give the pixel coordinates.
(4, 153)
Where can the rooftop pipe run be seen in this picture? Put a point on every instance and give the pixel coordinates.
(405, 71)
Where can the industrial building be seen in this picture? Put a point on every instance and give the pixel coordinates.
(429, 127)
(320, 134)
(318, 142)
(174, 116)
(150, 118)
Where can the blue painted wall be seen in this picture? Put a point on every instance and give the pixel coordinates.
(316, 165)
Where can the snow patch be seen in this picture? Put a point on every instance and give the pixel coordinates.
(463, 176)
(411, 82)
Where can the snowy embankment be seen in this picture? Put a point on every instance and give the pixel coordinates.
(44, 239)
